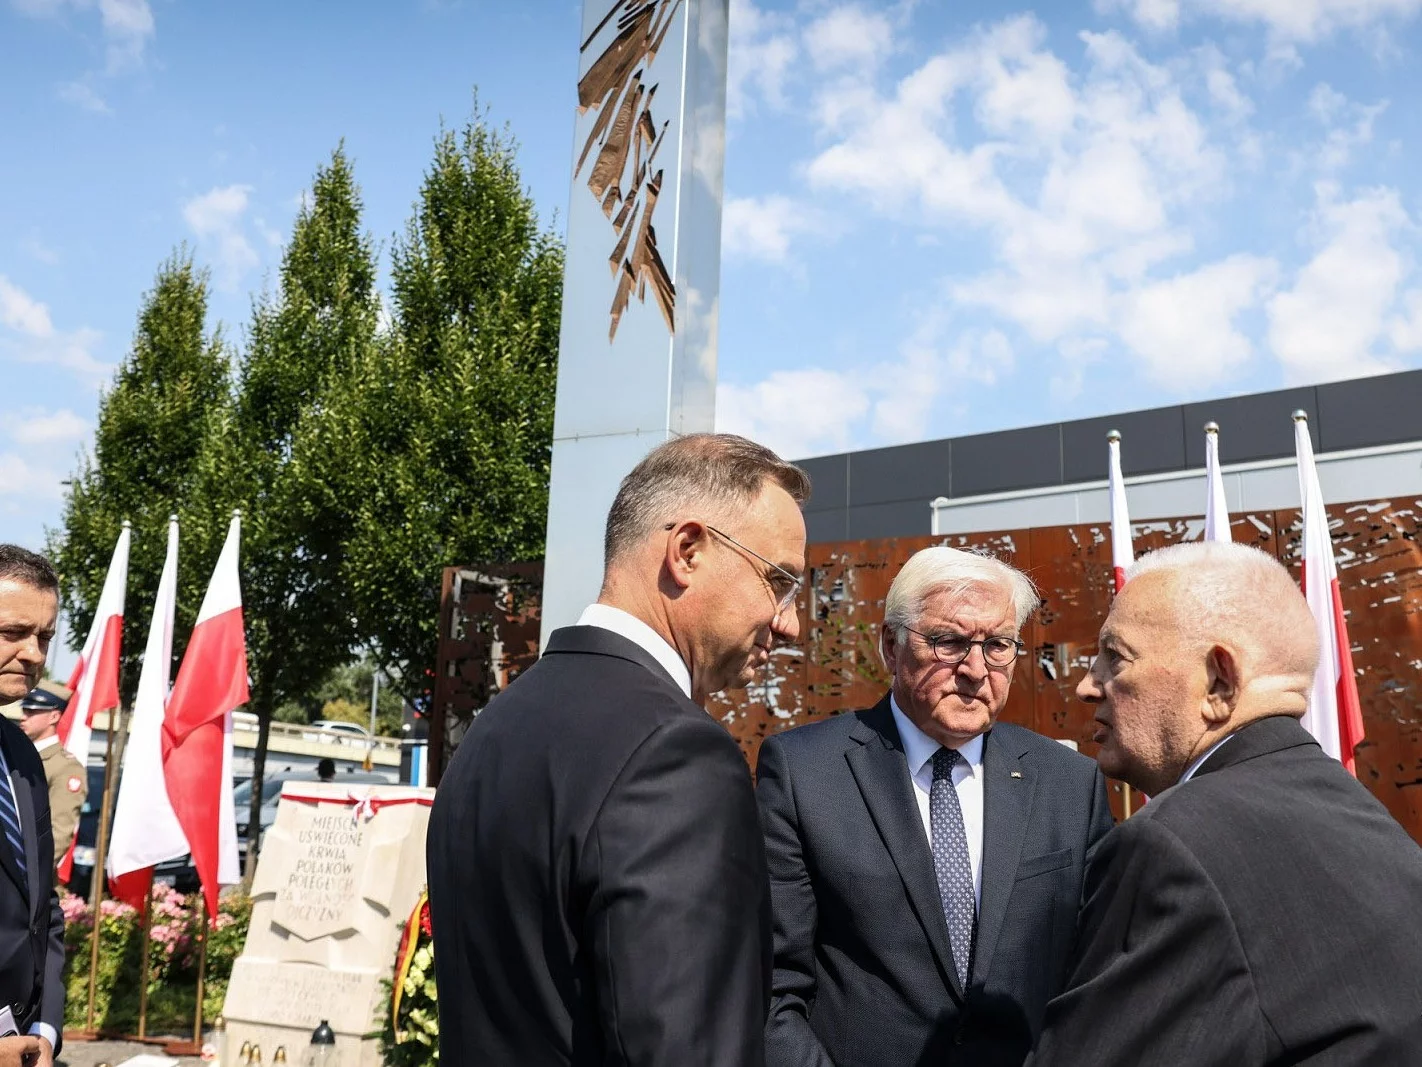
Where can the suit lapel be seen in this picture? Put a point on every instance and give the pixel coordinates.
(25, 802)
(7, 854)
(1007, 807)
(876, 758)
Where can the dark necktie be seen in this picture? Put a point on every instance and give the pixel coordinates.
(951, 862)
(10, 817)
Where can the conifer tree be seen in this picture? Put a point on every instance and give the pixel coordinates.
(168, 394)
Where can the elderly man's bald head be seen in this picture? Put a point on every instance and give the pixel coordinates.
(1233, 594)
(1203, 640)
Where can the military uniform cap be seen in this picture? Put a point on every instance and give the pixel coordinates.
(47, 696)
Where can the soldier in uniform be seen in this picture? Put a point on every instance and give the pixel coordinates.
(67, 778)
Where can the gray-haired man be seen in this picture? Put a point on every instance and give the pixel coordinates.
(925, 863)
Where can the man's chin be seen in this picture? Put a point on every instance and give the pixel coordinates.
(12, 690)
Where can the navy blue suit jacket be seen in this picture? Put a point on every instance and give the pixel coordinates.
(864, 971)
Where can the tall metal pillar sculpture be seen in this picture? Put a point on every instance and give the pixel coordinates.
(637, 352)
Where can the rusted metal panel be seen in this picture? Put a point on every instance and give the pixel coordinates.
(835, 667)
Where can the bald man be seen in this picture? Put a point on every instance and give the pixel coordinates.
(1263, 909)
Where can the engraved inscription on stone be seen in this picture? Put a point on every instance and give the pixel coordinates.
(293, 994)
(322, 883)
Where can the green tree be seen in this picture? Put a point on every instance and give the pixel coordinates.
(302, 345)
(168, 395)
(439, 447)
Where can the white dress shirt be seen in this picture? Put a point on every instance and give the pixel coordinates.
(967, 783)
(1190, 770)
(605, 617)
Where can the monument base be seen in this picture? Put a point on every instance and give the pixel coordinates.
(340, 871)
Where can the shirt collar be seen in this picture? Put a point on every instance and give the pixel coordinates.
(919, 747)
(40, 746)
(606, 617)
(1190, 770)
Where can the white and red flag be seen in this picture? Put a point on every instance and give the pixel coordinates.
(197, 730)
(1216, 510)
(1335, 715)
(95, 681)
(1122, 555)
(146, 830)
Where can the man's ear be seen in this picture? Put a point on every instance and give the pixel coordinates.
(1222, 686)
(889, 648)
(684, 551)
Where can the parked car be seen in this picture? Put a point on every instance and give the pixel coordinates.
(271, 795)
(340, 729)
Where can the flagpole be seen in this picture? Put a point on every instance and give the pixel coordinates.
(144, 966)
(202, 967)
(96, 894)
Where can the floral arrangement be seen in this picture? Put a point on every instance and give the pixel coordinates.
(410, 1036)
(172, 959)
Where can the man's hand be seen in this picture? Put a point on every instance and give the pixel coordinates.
(20, 1051)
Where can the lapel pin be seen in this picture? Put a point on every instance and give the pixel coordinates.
(1017, 774)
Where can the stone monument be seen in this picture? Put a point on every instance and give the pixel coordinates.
(340, 871)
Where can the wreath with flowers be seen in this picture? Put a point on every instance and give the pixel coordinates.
(410, 1037)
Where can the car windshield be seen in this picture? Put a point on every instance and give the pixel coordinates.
(242, 795)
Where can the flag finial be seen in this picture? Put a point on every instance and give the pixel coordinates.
(1212, 427)
(236, 513)
(1300, 415)
(1113, 435)
(173, 517)
(127, 525)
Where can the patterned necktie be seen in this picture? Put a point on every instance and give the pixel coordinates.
(10, 817)
(950, 861)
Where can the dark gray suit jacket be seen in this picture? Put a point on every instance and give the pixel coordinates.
(1266, 912)
(31, 922)
(597, 878)
(863, 969)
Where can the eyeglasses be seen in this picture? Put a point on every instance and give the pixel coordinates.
(784, 586)
(953, 649)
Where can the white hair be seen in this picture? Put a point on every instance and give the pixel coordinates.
(931, 570)
(1236, 593)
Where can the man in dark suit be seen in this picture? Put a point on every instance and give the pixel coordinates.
(597, 877)
(31, 923)
(1263, 908)
(926, 862)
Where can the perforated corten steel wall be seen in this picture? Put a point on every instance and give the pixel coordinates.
(489, 633)
(837, 667)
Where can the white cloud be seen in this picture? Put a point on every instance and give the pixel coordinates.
(1184, 328)
(19, 311)
(795, 412)
(761, 49)
(1287, 20)
(762, 227)
(128, 26)
(216, 218)
(83, 95)
(40, 251)
(1349, 125)
(35, 426)
(849, 36)
(1328, 324)
(27, 482)
(1405, 329)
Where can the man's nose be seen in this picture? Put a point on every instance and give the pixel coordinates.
(786, 625)
(974, 665)
(1088, 690)
(31, 651)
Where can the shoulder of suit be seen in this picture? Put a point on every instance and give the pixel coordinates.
(1043, 748)
(829, 731)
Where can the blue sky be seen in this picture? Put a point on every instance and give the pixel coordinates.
(941, 218)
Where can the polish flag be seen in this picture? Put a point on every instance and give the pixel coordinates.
(95, 681)
(146, 830)
(1334, 716)
(1216, 510)
(197, 730)
(1122, 555)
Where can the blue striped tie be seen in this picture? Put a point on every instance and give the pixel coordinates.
(10, 817)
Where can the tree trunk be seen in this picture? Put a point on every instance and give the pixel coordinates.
(262, 705)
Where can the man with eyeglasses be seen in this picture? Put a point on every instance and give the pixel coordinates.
(597, 876)
(926, 861)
